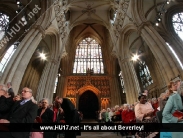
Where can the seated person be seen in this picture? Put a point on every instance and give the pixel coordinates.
(144, 114)
(155, 105)
(128, 116)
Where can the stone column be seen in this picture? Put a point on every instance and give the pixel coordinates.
(17, 65)
(47, 81)
(131, 83)
(168, 64)
(115, 93)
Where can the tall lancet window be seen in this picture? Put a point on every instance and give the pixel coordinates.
(6, 58)
(88, 57)
(145, 76)
(177, 21)
(4, 20)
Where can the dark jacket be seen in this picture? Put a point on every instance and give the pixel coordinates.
(5, 106)
(20, 114)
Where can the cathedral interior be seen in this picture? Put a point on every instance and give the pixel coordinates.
(97, 53)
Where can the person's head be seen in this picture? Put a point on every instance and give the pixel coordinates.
(9, 84)
(172, 86)
(126, 107)
(162, 96)
(3, 90)
(145, 92)
(59, 100)
(26, 93)
(154, 100)
(108, 109)
(142, 99)
(45, 103)
(149, 100)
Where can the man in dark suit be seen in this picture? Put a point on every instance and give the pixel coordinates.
(24, 111)
(71, 114)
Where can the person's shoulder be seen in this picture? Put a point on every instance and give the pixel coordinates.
(174, 95)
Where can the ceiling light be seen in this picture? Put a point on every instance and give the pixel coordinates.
(42, 55)
(135, 57)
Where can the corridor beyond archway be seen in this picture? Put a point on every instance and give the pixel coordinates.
(88, 104)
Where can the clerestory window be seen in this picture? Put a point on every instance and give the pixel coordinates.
(177, 21)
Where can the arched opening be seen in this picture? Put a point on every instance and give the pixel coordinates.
(88, 104)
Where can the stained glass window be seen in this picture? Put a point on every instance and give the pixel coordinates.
(177, 21)
(145, 76)
(4, 20)
(88, 56)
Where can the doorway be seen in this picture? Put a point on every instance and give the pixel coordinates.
(89, 105)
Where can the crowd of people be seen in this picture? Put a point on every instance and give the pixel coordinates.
(144, 110)
(23, 108)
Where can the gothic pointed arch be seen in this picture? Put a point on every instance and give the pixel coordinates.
(89, 87)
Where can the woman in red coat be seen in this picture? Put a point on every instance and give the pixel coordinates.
(128, 116)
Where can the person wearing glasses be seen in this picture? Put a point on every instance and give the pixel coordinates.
(23, 111)
(44, 115)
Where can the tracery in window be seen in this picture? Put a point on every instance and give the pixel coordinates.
(145, 76)
(88, 56)
(177, 21)
(122, 81)
(4, 20)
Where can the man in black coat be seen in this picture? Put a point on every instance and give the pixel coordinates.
(71, 114)
(24, 111)
(6, 102)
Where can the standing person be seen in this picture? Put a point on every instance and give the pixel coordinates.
(45, 115)
(24, 111)
(175, 102)
(71, 114)
(6, 102)
(10, 89)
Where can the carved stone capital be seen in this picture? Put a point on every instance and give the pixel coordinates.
(41, 29)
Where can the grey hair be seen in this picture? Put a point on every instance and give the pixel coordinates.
(4, 88)
(46, 100)
(153, 99)
(126, 105)
(161, 95)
